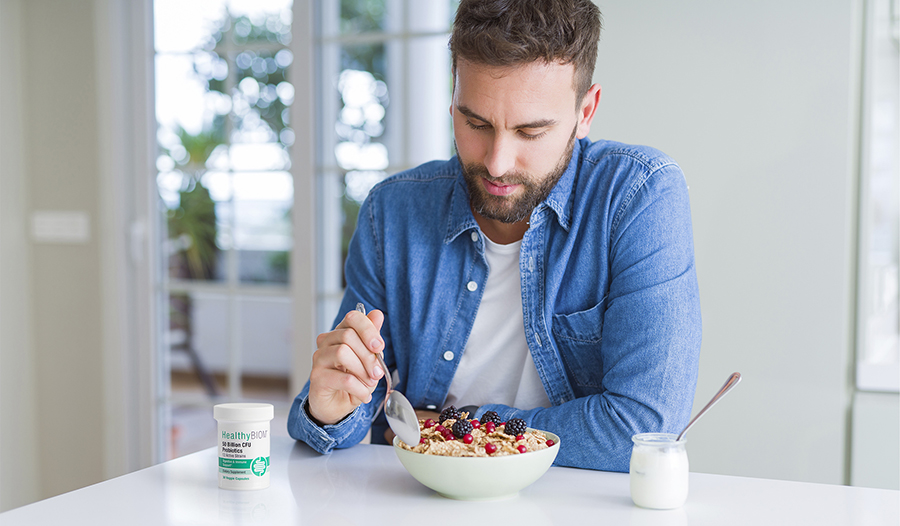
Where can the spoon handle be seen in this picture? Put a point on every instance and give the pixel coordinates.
(387, 377)
(729, 385)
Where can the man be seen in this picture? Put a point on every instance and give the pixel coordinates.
(536, 274)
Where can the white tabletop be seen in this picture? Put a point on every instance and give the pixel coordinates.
(367, 485)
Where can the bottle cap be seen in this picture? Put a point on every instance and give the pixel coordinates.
(244, 412)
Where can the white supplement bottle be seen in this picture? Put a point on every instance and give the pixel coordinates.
(243, 436)
(659, 471)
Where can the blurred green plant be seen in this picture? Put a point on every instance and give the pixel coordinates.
(199, 147)
(194, 224)
(358, 16)
(266, 67)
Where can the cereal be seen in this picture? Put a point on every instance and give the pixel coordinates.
(436, 443)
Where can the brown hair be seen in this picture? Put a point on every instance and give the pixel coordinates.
(515, 32)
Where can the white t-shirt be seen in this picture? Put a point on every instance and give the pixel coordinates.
(496, 366)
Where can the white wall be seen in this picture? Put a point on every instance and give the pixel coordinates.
(876, 426)
(52, 409)
(757, 103)
(18, 452)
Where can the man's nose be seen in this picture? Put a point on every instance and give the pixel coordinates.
(500, 158)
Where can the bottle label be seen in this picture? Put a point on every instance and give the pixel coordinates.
(243, 453)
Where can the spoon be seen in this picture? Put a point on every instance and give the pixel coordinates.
(729, 385)
(399, 412)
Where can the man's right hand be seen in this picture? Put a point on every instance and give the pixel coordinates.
(345, 369)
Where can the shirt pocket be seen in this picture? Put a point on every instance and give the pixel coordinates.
(578, 338)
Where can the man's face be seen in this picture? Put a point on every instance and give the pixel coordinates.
(515, 129)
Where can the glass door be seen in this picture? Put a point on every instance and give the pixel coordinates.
(225, 197)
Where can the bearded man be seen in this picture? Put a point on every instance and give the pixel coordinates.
(536, 274)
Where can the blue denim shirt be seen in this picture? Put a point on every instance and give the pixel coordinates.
(609, 293)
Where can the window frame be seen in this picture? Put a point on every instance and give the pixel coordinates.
(878, 376)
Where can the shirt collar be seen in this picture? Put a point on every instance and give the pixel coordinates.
(559, 200)
(461, 218)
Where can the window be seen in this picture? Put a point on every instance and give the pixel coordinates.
(225, 197)
(381, 93)
(878, 358)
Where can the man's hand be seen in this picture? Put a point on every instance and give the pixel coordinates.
(345, 369)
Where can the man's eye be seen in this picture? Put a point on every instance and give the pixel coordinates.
(531, 137)
(470, 124)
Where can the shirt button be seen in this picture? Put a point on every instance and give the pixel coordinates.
(448, 355)
(474, 236)
(472, 286)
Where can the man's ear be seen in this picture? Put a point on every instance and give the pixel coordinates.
(452, 88)
(587, 110)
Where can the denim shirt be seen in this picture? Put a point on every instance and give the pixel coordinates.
(609, 295)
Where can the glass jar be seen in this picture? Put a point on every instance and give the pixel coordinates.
(659, 471)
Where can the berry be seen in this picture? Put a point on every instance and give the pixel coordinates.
(421, 440)
(461, 428)
(440, 429)
(449, 413)
(489, 427)
(522, 448)
(468, 438)
(429, 423)
(490, 448)
(515, 426)
(490, 416)
(520, 437)
(475, 424)
(550, 443)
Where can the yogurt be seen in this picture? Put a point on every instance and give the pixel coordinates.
(658, 471)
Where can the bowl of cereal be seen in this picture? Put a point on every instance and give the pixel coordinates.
(477, 459)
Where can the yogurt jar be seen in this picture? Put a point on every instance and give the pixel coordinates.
(659, 471)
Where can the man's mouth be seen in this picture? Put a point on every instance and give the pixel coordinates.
(498, 189)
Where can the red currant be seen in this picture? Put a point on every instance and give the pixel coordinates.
(490, 448)
(429, 423)
(440, 429)
(421, 440)
(522, 448)
(449, 437)
(520, 437)
(489, 427)
(475, 424)
(550, 442)
(468, 438)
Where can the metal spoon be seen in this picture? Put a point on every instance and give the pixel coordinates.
(732, 381)
(399, 412)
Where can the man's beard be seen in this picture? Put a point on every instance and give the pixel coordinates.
(509, 209)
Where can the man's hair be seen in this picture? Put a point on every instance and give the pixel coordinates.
(516, 32)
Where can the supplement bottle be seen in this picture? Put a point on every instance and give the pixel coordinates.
(243, 437)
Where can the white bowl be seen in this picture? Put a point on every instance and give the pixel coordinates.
(478, 478)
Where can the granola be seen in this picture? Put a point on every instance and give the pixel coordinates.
(434, 441)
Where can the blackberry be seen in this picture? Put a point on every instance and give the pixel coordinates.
(514, 426)
(461, 428)
(490, 416)
(449, 413)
